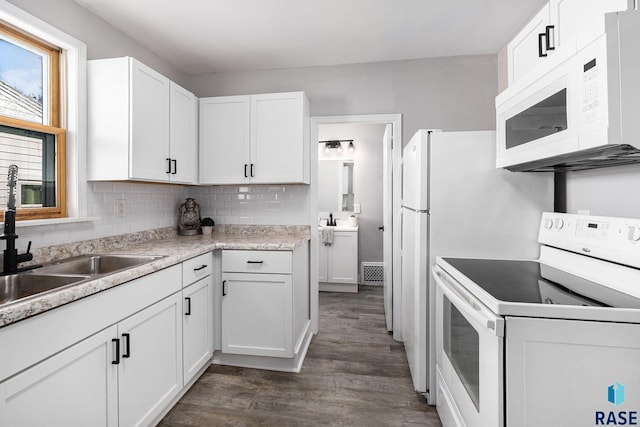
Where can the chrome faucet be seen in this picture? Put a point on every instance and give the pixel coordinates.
(11, 259)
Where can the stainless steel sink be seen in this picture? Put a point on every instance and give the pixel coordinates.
(97, 264)
(23, 285)
(66, 272)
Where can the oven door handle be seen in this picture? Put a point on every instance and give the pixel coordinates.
(468, 304)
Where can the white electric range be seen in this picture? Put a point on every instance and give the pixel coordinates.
(547, 342)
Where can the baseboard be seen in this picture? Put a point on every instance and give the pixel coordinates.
(281, 364)
(351, 288)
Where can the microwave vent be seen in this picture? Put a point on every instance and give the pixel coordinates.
(599, 157)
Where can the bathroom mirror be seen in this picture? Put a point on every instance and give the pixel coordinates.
(335, 185)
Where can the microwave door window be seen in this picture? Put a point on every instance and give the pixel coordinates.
(545, 118)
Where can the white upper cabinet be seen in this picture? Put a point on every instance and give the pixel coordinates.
(224, 139)
(528, 48)
(560, 29)
(141, 126)
(183, 135)
(259, 139)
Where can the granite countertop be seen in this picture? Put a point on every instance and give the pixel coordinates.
(174, 249)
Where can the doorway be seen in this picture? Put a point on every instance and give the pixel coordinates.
(391, 154)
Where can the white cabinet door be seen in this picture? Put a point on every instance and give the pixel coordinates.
(197, 324)
(525, 52)
(149, 126)
(278, 142)
(257, 314)
(260, 139)
(77, 387)
(342, 258)
(183, 130)
(150, 373)
(322, 262)
(580, 22)
(224, 140)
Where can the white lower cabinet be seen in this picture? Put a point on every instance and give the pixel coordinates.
(338, 263)
(265, 308)
(197, 327)
(150, 369)
(117, 358)
(256, 314)
(125, 375)
(77, 387)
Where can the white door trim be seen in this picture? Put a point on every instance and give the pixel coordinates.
(396, 120)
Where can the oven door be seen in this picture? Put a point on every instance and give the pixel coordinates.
(469, 357)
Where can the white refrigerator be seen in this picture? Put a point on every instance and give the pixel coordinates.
(456, 203)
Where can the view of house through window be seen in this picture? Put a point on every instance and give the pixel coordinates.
(30, 136)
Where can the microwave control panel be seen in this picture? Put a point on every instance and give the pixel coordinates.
(590, 98)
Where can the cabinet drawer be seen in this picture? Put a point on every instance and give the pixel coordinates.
(196, 268)
(276, 262)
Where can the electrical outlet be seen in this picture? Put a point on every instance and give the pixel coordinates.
(356, 208)
(121, 207)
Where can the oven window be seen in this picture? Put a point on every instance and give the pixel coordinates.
(547, 117)
(461, 344)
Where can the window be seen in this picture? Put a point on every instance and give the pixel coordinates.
(31, 135)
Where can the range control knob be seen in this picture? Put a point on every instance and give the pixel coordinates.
(633, 233)
(558, 223)
(548, 223)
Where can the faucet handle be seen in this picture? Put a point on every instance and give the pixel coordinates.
(28, 247)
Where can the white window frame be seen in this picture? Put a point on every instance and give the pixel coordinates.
(73, 96)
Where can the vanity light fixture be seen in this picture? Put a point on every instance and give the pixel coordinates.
(337, 145)
(351, 148)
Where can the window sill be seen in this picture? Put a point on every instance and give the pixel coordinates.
(40, 222)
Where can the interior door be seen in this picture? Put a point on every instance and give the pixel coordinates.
(387, 222)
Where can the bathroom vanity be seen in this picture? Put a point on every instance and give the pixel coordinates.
(338, 261)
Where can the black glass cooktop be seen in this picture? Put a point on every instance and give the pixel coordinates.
(536, 283)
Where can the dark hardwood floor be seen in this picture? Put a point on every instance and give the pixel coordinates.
(355, 374)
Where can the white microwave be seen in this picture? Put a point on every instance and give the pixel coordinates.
(582, 114)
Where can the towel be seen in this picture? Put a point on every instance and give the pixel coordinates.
(326, 237)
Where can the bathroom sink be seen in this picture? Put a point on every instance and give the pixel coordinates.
(97, 264)
(22, 285)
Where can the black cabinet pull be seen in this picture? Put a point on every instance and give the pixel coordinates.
(188, 312)
(168, 165)
(117, 351)
(224, 288)
(541, 45)
(549, 32)
(200, 268)
(251, 170)
(127, 342)
(245, 171)
(255, 262)
(175, 166)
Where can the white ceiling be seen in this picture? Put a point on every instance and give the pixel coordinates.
(208, 36)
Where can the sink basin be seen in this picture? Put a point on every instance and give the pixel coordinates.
(22, 285)
(97, 264)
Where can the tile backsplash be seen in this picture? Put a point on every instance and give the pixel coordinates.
(254, 204)
(151, 206)
(146, 206)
